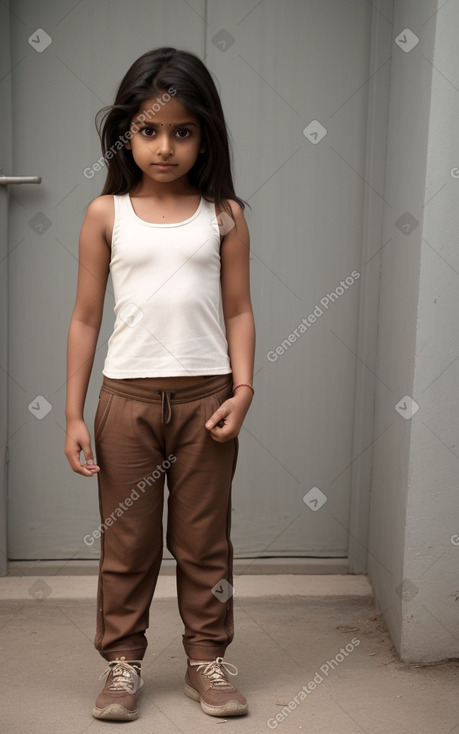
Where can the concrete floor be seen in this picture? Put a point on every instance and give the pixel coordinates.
(289, 631)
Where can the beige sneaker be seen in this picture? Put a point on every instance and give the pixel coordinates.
(207, 683)
(119, 698)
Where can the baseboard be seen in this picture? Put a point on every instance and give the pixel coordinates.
(241, 566)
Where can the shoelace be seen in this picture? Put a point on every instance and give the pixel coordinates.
(215, 671)
(124, 677)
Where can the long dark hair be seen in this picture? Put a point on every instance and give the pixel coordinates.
(168, 71)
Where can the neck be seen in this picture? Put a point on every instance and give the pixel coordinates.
(147, 187)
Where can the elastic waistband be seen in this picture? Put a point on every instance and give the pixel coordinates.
(143, 388)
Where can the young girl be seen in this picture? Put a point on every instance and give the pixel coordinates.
(177, 379)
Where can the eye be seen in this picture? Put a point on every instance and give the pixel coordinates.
(147, 132)
(183, 133)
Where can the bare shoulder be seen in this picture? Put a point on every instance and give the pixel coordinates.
(100, 214)
(232, 219)
(101, 206)
(229, 205)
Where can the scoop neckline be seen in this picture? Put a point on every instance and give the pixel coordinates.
(166, 224)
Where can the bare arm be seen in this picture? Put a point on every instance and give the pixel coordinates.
(94, 258)
(240, 327)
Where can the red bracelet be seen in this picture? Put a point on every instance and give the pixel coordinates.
(243, 384)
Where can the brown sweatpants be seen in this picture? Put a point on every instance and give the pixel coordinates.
(143, 434)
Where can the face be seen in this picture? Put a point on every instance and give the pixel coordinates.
(165, 144)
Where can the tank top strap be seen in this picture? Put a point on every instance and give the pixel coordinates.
(210, 212)
(122, 211)
(121, 204)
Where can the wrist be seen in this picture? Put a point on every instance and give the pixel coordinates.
(240, 387)
(243, 396)
(69, 417)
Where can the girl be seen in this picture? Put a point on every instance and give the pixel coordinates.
(177, 379)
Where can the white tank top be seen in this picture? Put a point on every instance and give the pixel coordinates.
(166, 281)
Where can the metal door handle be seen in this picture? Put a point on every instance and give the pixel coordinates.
(4, 180)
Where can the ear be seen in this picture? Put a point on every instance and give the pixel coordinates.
(203, 148)
(128, 145)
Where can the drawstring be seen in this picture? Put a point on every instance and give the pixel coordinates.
(165, 397)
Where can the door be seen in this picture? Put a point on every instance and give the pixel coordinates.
(289, 75)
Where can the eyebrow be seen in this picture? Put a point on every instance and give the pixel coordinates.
(173, 124)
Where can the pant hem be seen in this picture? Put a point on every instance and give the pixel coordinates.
(205, 652)
(135, 654)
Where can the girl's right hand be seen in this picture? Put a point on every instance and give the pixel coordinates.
(78, 439)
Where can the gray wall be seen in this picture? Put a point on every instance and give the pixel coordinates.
(414, 495)
(283, 65)
(414, 520)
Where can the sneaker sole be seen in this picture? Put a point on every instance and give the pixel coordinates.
(232, 708)
(115, 712)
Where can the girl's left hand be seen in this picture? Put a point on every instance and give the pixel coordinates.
(227, 420)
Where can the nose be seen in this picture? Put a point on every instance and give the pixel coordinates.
(164, 143)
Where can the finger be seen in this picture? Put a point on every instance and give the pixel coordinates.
(223, 430)
(89, 458)
(84, 472)
(80, 468)
(217, 418)
(87, 452)
(230, 429)
(87, 470)
(92, 466)
(221, 436)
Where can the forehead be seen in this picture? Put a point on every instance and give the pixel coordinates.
(166, 112)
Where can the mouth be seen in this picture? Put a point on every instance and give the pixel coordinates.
(164, 165)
